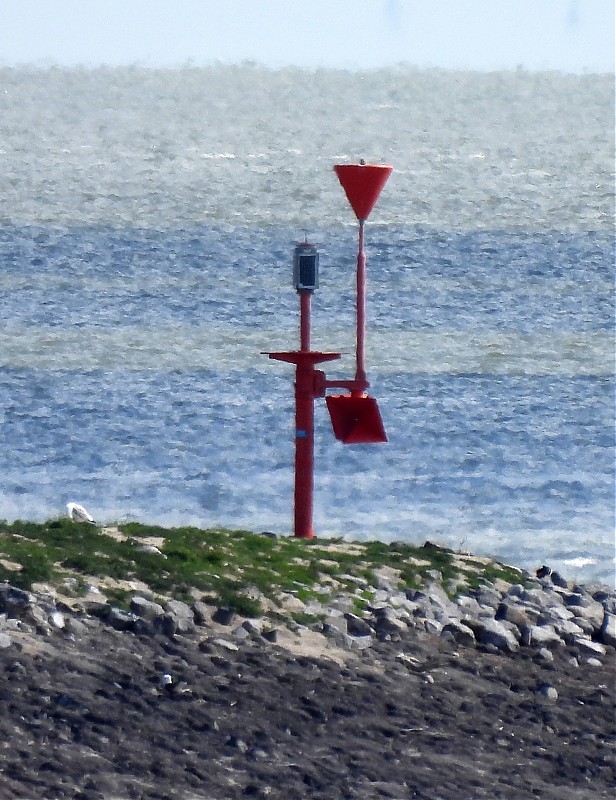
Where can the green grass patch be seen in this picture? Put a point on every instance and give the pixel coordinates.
(119, 597)
(219, 563)
(491, 573)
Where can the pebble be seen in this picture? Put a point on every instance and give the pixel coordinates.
(57, 620)
(226, 644)
(549, 692)
(545, 655)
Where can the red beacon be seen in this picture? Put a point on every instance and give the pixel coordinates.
(355, 416)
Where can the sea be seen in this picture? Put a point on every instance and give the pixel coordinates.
(148, 219)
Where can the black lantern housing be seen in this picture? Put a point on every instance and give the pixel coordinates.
(305, 267)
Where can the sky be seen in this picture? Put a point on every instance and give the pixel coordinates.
(566, 35)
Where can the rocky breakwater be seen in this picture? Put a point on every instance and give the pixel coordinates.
(542, 615)
(545, 614)
(503, 689)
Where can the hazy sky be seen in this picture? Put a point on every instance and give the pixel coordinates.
(568, 35)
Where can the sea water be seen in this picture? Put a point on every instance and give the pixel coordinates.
(147, 223)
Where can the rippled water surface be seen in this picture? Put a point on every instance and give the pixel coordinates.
(147, 221)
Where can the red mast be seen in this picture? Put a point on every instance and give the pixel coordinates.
(355, 417)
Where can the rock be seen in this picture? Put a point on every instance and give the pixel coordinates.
(181, 690)
(333, 612)
(594, 662)
(544, 636)
(334, 624)
(5, 641)
(584, 607)
(516, 614)
(607, 599)
(359, 642)
(433, 627)
(179, 616)
(541, 598)
(555, 613)
(14, 602)
(491, 632)
(165, 625)
(549, 692)
(558, 580)
(146, 609)
(291, 604)
(461, 633)
(487, 596)
(348, 642)
(423, 606)
(439, 599)
(544, 654)
(237, 743)
(578, 598)
(75, 627)
(356, 626)
(584, 625)
(467, 604)
(201, 612)
(387, 621)
(57, 620)
(342, 603)
(381, 597)
(568, 630)
(241, 633)
(254, 627)
(435, 548)
(386, 577)
(223, 616)
(225, 644)
(400, 600)
(588, 647)
(38, 617)
(12, 624)
(119, 619)
(607, 634)
(314, 608)
(96, 607)
(359, 581)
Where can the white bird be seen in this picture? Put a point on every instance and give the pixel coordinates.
(78, 513)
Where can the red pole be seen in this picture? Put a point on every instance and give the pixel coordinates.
(304, 450)
(305, 299)
(304, 427)
(360, 372)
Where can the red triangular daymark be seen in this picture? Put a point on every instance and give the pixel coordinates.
(362, 184)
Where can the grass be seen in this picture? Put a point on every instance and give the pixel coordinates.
(219, 565)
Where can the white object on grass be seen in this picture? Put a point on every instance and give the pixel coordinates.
(78, 513)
